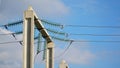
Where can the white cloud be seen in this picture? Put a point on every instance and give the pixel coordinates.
(10, 58)
(109, 55)
(49, 7)
(76, 55)
(10, 54)
(12, 9)
(4, 31)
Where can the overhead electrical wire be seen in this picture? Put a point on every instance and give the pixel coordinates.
(91, 26)
(64, 50)
(51, 23)
(71, 25)
(62, 33)
(95, 34)
(10, 33)
(94, 41)
(12, 24)
(61, 25)
(69, 34)
(8, 42)
(98, 41)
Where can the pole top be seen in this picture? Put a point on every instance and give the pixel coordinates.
(30, 8)
(63, 61)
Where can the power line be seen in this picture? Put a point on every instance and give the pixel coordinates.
(64, 50)
(71, 25)
(57, 24)
(90, 26)
(71, 34)
(94, 34)
(11, 33)
(10, 42)
(7, 33)
(107, 41)
(12, 24)
(74, 40)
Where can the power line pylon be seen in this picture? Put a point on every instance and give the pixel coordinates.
(31, 19)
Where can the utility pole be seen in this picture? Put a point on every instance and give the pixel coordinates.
(50, 55)
(63, 64)
(28, 39)
(31, 19)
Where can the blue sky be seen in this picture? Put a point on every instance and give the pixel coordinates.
(76, 12)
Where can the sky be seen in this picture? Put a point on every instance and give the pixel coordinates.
(67, 12)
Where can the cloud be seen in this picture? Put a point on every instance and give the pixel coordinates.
(10, 57)
(111, 56)
(50, 7)
(10, 54)
(12, 9)
(76, 55)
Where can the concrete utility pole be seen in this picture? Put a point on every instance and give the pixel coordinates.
(50, 55)
(63, 64)
(28, 39)
(30, 18)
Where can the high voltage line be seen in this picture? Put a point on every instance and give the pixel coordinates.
(90, 26)
(10, 42)
(68, 34)
(13, 23)
(65, 50)
(10, 33)
(61, 25)
(94, 41)
(97, 41)
(63, 33)
(94, 34)
(71, 25)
